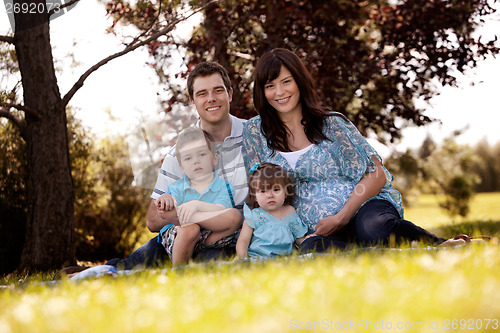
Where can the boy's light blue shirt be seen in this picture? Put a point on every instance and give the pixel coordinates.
(217, 193)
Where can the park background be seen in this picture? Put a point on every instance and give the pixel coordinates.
(121, 130)
(118, 131)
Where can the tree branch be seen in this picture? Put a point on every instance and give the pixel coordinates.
(7, 39)
(136, 43)
(24, 108)
(20, 123)
(67, 4)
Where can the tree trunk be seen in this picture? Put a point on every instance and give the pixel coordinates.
(50, 224)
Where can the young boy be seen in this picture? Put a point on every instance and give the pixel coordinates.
(201, 199)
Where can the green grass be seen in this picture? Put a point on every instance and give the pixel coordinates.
(365, 291)
(483, 219)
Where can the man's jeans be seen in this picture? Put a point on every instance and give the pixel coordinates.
(153, 254)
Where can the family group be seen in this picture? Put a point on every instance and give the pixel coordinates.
(297, 177)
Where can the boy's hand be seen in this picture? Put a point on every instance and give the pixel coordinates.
(186, 211)
(166, 202)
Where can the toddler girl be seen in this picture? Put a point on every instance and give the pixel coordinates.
(272, 226)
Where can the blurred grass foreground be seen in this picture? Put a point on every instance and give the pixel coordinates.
(393, 290)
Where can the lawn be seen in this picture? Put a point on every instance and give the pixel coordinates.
(394, 290)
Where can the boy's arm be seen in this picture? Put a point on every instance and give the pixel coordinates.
(229, 217)
(199, 217)
(243, 241)
(202, 206)
(186, 211)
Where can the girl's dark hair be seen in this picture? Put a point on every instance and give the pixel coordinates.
(266, 176)
(268, 68)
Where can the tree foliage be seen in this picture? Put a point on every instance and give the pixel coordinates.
(371, 59)
(109, 211)
(12, 196)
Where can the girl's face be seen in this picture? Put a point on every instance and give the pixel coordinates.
(272, 198)
(283, 93)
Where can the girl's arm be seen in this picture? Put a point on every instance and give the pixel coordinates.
(243, 241)
(369, 186)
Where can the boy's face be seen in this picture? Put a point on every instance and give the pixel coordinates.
(196, 159)
(211, 98)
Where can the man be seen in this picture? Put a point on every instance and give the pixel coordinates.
(209, 89)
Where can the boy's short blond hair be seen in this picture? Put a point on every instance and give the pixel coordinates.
(192, 134)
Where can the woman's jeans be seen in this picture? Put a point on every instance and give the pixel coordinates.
(376, 222)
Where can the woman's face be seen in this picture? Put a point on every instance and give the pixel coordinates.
(283, 93)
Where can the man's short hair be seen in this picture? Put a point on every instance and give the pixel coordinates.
(205, 69)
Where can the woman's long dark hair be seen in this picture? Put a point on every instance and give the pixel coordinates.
(267, 69)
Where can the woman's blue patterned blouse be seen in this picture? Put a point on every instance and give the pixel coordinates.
(325, 176)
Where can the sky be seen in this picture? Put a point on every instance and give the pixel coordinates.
(124, 92)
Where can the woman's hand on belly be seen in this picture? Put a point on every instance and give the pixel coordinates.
(330, 225)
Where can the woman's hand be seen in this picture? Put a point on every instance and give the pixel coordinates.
(330, 225)
(370, 185)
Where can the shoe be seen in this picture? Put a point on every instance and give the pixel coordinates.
(70, 270)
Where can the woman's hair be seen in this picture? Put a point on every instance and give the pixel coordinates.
(267, 69)
(266, 176)
(189, 135)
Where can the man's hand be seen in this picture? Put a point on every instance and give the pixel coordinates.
(166, 202)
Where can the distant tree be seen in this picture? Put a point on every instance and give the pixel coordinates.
(408, 171)
(487, 166)
(446, 170)
(371, 59)
(450, 172)
(109, 210)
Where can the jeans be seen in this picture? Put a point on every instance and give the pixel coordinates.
(153, 254)
(374, 223)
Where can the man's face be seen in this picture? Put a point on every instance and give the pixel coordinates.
(211, 98)
(196, 160)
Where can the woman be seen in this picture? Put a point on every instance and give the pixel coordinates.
(344, 193)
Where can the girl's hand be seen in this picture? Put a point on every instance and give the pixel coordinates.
(329, 225)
